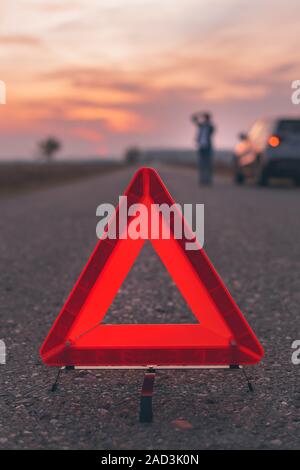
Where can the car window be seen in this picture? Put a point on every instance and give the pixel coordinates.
(291, 126)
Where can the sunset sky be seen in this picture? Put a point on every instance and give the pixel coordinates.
(105, 74)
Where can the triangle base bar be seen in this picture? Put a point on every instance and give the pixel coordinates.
(144, 345)
(143, 358)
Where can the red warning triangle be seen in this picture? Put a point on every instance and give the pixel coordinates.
(79, 338)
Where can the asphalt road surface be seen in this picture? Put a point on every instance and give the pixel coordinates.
(252, 237)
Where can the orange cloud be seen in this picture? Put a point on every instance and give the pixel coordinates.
(20, 40)
(118, 120)
(85, 133)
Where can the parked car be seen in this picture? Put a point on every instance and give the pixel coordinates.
(270, 149)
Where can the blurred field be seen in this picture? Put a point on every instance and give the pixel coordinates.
(16, 177)
(25, 176)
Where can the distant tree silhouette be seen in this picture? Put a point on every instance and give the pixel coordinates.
(132, 155)
(49, 147)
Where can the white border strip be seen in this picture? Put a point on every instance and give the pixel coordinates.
(151, 367)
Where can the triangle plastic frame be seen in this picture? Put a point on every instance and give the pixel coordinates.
(79, 338)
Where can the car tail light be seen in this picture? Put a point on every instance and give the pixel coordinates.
(274, 141)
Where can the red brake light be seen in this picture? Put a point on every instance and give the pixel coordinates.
(274, 141)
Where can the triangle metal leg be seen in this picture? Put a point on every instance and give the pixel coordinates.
(250, 386)
(55, 384)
